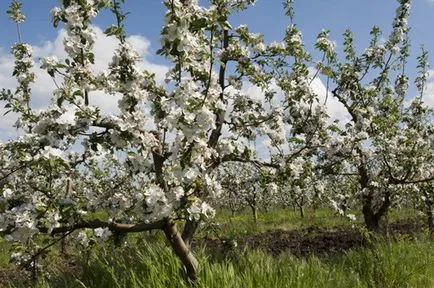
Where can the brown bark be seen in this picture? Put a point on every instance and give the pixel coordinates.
(254, 213)
(372, 221)
(180, 246)
(220, 114)
(113, 226)
(182, 250)
(429, 212)
(188, 232)
(301, 210)
(372, 218)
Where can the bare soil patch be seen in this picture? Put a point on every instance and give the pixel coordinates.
(306, 242)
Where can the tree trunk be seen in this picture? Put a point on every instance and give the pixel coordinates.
(372, 219)
(63, 247)
(188, 232)
(429, 212)
(182, 250)
(301, 210)
(267, 208)
(255, 213)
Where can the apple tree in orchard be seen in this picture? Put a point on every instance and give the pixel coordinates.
(246, 185)
(427, 203)
(146, 171)
(387, 143)
(287, 95)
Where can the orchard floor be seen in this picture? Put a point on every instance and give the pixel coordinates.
(313, 240)
(280, 250)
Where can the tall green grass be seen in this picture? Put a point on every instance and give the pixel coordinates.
(145, 260)
(406, 263)
(4, 254)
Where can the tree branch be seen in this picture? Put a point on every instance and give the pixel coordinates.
(220, 114)
(256, 162)
(113, 226)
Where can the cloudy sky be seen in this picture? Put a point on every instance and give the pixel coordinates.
(267, 17)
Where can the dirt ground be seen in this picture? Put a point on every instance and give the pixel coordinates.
(305, 242)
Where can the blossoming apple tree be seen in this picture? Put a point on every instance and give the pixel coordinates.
(428, 203)
(246, 185)
(301, 131)
(146, 171)
(387, 143)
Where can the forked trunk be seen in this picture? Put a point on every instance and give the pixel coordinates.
(182, 250)
(189, 231)
(373, 216)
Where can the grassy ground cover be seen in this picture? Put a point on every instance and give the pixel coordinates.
(407, 261)
(288, 219)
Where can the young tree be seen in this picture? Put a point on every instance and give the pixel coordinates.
(301, 187)
(246, 185)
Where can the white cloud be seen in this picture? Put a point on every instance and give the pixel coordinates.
(428, 95)
(7, 82)
(104, 47)
(335, 109)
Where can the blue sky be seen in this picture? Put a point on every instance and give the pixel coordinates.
(266, 16)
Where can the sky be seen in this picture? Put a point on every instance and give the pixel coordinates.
(267, 16)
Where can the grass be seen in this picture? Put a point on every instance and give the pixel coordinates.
(142, 264)
(287, 219)
(147, 261)
(279, 218)
(4, 254)
(401, 264)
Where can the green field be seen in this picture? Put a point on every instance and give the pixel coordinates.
(402, 260)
